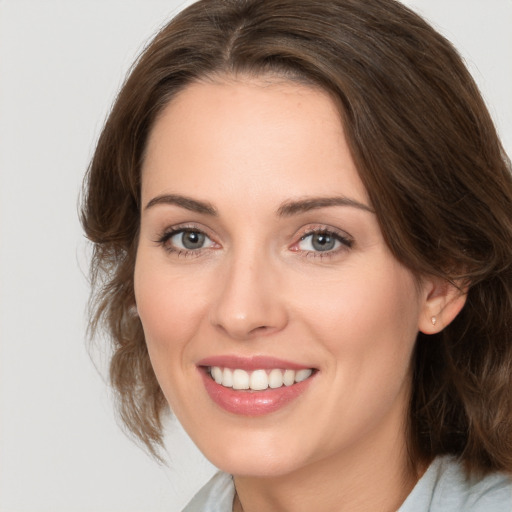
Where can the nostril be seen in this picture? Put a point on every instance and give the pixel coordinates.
(261, 328)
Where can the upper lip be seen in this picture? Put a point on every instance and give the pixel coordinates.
(250, 363)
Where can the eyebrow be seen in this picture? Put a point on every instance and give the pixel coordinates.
(184, 202)
(287, 209)
(312, 203)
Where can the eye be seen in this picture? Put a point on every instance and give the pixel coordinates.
(185, 241)
(320, 242)
(189, 240)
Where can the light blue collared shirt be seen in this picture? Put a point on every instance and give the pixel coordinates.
(443, 488)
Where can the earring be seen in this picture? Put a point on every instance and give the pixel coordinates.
(133, 312)
(434, 320)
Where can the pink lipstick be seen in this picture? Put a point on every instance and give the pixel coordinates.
(253, 386)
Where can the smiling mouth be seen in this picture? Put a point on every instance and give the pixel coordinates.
(257, 380)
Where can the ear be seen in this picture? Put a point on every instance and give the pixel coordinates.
(442, 302)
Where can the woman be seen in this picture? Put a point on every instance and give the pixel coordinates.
(301, 216)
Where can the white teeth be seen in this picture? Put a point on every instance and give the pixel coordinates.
(217, 374)
(289, 377)
(240, 379)
(302, 375)
(258, 380)
(275, 378)
(227, 378)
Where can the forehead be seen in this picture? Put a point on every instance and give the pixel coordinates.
(247, 135)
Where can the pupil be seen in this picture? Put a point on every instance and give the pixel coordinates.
(192, 240)
(322, 242)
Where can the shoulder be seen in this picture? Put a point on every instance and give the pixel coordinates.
(215, 496)
(445, 488)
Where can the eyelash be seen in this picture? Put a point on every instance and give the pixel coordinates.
(345, 241)
(164, 241)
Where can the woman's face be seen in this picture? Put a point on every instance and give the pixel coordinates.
(260, 261)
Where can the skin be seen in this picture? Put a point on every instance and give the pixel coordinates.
(257, 287)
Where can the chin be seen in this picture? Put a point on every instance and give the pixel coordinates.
(255, 459)
(260, 467)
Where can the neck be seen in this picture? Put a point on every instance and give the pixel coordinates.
(357, 480)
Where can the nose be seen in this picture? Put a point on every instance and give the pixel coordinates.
(249, 302)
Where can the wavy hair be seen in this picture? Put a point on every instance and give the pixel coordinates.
(426, 150)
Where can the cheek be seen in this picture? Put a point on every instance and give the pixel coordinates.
(364, 305)
(367, 325)
(170, 308)
(367, 322)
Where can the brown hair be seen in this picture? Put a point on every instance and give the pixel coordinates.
(426, 150)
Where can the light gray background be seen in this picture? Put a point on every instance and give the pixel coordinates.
(61, 63)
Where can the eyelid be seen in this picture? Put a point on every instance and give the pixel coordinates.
(347, 241)
(168, 232)
(343, 237)
(177, 228)
(311, 229)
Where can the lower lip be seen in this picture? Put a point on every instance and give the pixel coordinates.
(252, 403)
